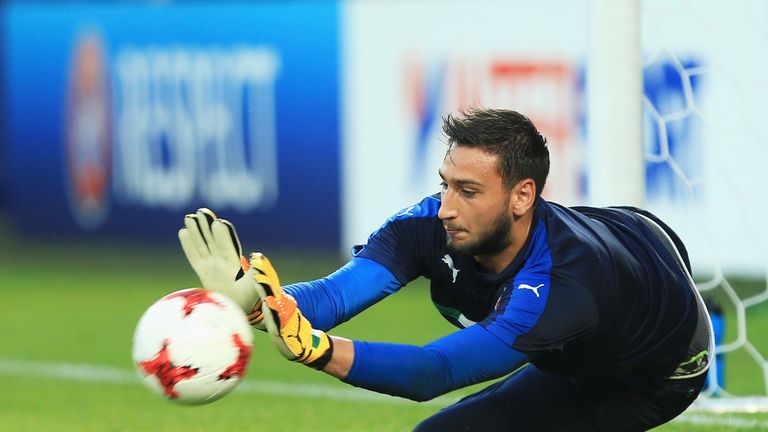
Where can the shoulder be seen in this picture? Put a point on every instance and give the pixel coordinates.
(562, 238)
(423, 212)
(405, 239)
(574, 239)
(426, 208)
(567, 223)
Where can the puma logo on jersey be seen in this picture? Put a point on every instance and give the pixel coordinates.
(535, 289)
(448, 260)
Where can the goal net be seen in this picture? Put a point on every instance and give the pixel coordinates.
(705, 151)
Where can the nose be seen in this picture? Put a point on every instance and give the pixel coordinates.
(447, 210)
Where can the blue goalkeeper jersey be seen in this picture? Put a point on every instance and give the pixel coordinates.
(592, 291)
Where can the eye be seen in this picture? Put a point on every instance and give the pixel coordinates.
(468, 193)
(443, 186)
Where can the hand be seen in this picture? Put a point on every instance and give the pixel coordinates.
(214, 251)
(291, 332)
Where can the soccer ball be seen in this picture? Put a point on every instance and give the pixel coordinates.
(192, 346)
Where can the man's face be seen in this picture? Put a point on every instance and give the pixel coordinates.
(475, 204)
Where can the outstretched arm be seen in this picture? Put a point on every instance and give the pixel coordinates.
(460, 359)
(336, 298)
(465, 357)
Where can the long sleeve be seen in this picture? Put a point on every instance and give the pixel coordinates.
(466, 357)
(336, 298)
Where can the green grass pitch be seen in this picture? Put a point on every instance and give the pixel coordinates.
(68, 314)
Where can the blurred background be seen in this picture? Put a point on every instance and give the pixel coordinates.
(308, 123)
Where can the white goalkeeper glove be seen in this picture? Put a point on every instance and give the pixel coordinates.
(214, 251)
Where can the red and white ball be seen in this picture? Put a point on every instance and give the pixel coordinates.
(192, 346)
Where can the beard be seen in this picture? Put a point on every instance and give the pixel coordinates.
(490, 242)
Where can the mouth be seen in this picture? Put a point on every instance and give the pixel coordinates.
(451, 231)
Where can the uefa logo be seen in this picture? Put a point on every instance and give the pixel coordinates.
(87, 141)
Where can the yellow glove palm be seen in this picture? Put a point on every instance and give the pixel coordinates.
(291, 332)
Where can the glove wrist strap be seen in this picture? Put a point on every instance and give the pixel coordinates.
(320, 362)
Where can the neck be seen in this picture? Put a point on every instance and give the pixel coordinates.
(498, 261)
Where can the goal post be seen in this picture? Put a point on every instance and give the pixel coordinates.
(614, 103)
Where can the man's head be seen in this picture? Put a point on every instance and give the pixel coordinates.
(495, 167)
(522, 151)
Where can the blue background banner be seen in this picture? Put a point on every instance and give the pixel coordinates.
(122, 117)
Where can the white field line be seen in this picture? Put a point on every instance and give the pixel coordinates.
(83, 372)
(728, 421)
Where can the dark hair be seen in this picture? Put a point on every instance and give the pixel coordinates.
(521, 149)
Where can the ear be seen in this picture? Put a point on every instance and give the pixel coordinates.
(522, 197)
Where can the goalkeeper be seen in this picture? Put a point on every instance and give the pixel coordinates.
(597, 303)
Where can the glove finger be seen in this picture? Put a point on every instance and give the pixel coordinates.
(208, 213)
(225, 241)
(233, 236)
(268, 283)
(256, 317)
(205, 218)
(191, 250)
(270, 319)
(194, 235)
(273, 312)
(275, 305)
